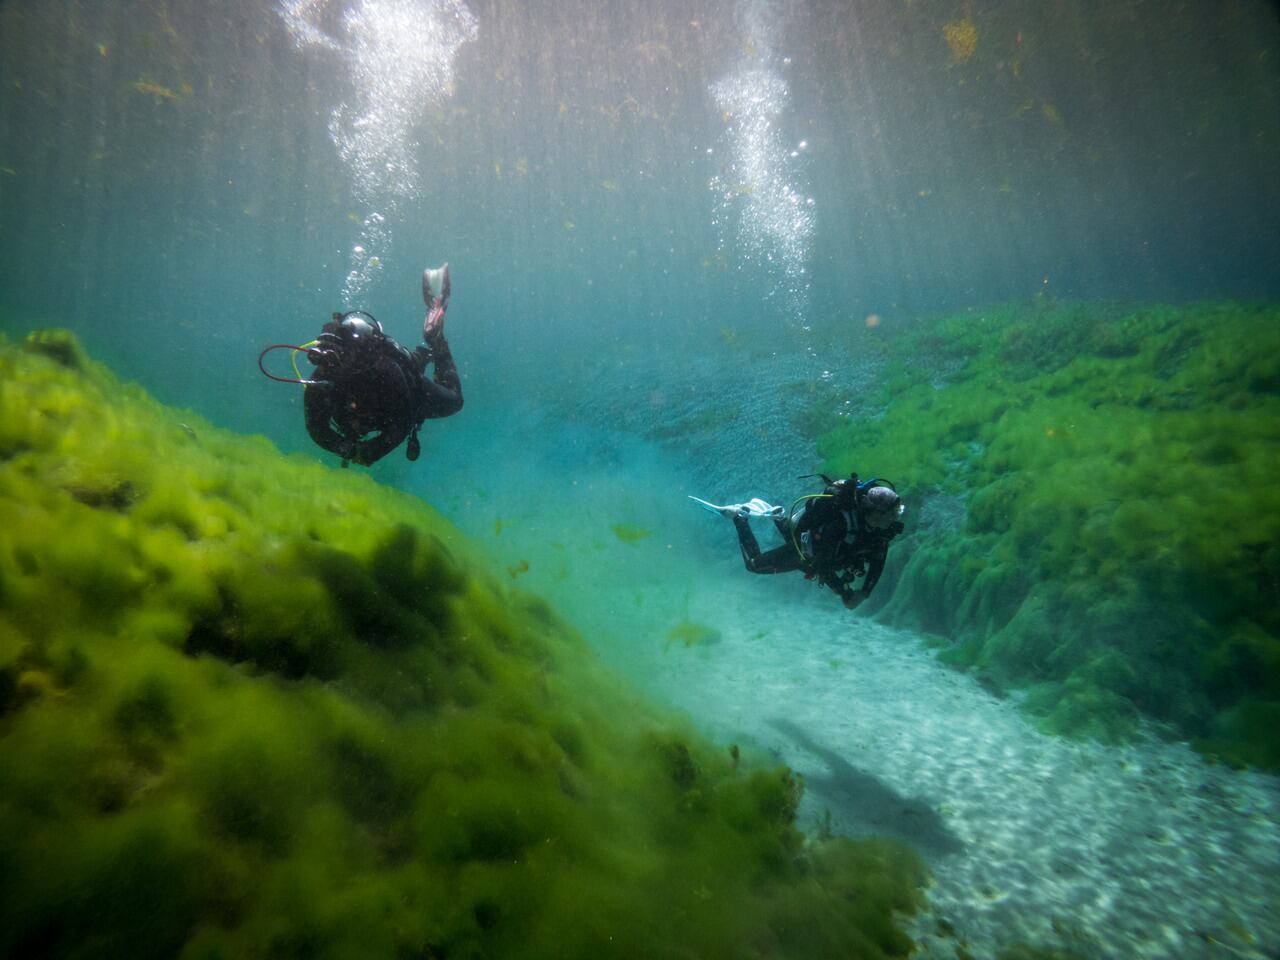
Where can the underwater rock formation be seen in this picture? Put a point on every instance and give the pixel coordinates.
(252, 706)
(1119, 552)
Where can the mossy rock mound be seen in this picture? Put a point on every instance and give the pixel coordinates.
(251, 706)
(1120, 552)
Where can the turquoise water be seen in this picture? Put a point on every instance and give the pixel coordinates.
(667, 225)
(174, 165)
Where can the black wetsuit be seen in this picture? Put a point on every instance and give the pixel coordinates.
(831, 540)
(378, 387)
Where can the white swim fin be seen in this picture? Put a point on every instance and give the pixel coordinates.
(435, 285)
(752, 508)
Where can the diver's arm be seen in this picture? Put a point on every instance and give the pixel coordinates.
(875, 567)
(318, 403)
(373, 449)
(832, 580)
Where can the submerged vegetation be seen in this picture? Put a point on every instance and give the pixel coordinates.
(686, 633)
(630, 533)
(252, 706)
(1115, 544)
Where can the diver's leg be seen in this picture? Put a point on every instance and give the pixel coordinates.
(747, 542)
(444, 390)
(781, 559)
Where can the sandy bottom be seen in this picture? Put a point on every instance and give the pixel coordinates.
(1141, 851)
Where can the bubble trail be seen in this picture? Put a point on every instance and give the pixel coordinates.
(760, 207)
(399, 56)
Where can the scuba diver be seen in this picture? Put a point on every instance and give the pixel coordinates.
(841, 535)
(368, 393)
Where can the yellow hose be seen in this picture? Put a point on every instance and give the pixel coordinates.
(293, 357)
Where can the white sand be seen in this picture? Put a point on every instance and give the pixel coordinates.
(1143, 851)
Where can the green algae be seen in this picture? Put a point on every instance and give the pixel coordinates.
(1119, 550)
(630, 533)
(252, 706)
(1024, 951)
(687, 633)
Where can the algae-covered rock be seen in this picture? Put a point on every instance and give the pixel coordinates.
(1121, 548)
(252, 706)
